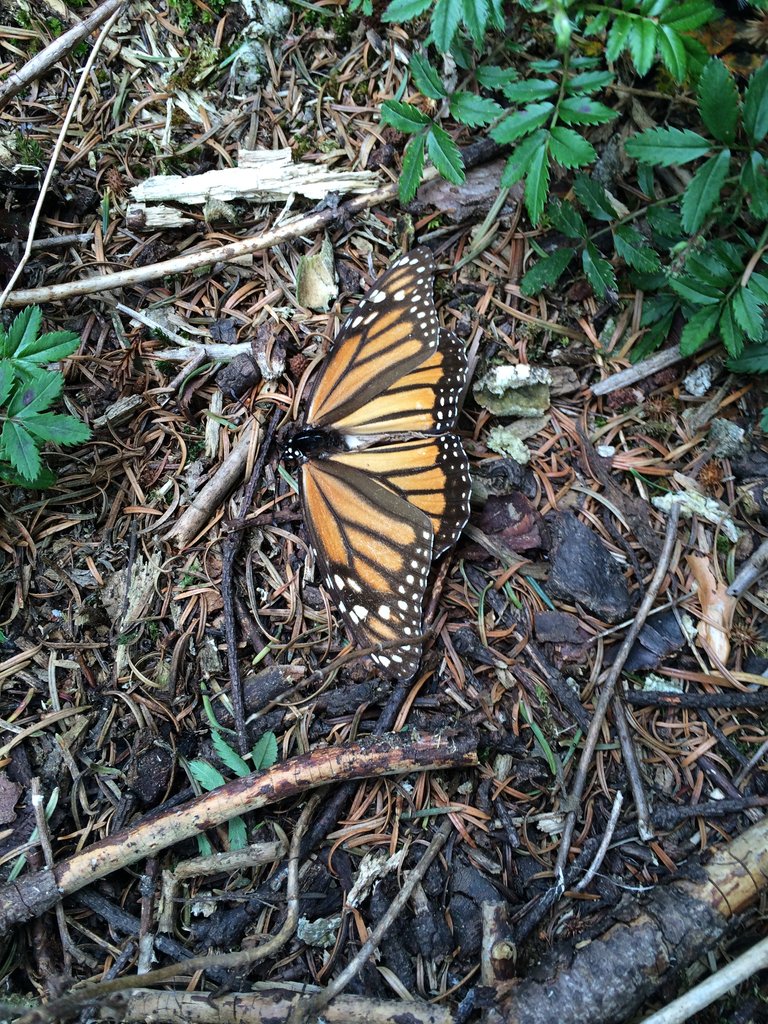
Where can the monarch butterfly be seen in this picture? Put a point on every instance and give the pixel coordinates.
(384, 486)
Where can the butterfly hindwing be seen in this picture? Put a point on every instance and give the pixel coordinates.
(374, 549)
(425, 400)
(393, 330)
(430, 473)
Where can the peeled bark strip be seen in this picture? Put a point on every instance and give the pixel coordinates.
(650, 941)
(371, 757)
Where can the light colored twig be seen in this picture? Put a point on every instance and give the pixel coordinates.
(704, 994)
(645, 368)
(607, 693)
(610, 828)
(754, 567)
(55, 51)
(55, 155)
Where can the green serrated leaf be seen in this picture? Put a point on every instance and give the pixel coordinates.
(593, 198)
(546, 272)
(597, 25)
(730, 332)
(754, 359)
(44, 479)
(696, 292)
(205, 775)
(673, 52)
(469, 108)
(518, 164)
(476, 15)
(230, 757)
(48, 348)
(544, 67)
(719, 101)
(404, 117)
(758, 285)
(749, 314)
(712, 267)
(643, 36)
(687, 16)
(635, 250)
(667, 146)
(412, 169)
(23, 330)
(699, 330)
(569, 149)
(20, 450)
(51, 426)
(237, 834)
(530, 90)
(405, 10)
(7, 377)
(494, 77)
(588, 82)
(445, 155)
(565, 217)
(36, 396)
(265, 752)
(598, 270)
(426, 78)
(704, 190)
(446, 17)
(521, 122)
(617, 38)
(537, 181)
(755, 111)
(582, 110)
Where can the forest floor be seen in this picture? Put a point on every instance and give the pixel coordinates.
(118, 610)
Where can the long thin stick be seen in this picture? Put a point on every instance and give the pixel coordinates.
(607, 693)
(55, 155)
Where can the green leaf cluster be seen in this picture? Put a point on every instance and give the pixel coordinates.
(208, 777)
(734, 129)
(27, 391)
(543, 125)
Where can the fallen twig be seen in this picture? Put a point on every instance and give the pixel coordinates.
(84, 77)
(645, 368)
(56, 51)
(607, 693)
(754, 567)
(381, 755)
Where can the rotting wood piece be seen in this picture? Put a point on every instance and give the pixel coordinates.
(370, 757)
(650, 941)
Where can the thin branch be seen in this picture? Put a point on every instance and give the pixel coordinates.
(607, 693)
(610, 828)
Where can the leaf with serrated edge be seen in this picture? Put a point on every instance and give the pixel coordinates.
(581, 110)
(687, 16)
(57, 427)
(412, 169)
(642, 45)
(517, 165)
(426, 78)
(230, 757)
(667, 146)
(446, 16)
(404, 10)
(537, 183)
(593, 198)
(529, 91)
(20, 449)
(521, 122)
(403, 116)
(749, 314)
(699, 330)
(205, 775)
(265, 752)
(755, 111)
(467, 108)
(7, 377)
(673, 52)
(569, 149)
(719, 101)
(634, 249)
(36, 396)
(617, 38)
(703, 190)
(445, 155)
(730, 332)
(598, 270)
(24, 329)
(566, 218)
(546, 272)
(476, 14)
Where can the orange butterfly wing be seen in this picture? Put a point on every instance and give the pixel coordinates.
(392, 331)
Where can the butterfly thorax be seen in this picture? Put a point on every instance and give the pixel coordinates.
(312, 443)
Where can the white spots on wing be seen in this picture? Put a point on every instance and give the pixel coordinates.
(384, 611)
(338, 581)
(409, 578)
(402, 605)
(360, 611)
(377, 296)
(354, 585)
(399, 295)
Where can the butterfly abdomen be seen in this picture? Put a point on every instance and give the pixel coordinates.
(312, 443)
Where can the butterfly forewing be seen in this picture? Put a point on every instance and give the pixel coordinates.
(374, 549)
(426, 400)
(393, 330)
(430, 473)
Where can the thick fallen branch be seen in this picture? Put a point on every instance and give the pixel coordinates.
(33, 894)
(649, 942)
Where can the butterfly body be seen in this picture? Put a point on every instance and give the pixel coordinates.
(384, 484)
